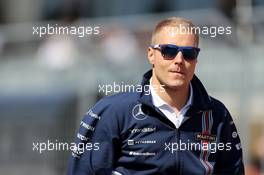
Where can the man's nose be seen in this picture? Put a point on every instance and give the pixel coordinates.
(179, 58)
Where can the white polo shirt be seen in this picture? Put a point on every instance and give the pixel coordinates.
(167, 110)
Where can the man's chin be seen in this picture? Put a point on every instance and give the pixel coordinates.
(176, 86)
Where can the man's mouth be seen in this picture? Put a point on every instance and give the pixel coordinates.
(177, 72)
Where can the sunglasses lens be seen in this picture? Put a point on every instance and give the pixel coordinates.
(190, 54)
(168, 52)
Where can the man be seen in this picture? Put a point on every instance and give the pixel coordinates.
(177, 129)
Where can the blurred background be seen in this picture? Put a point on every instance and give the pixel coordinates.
(48, 83)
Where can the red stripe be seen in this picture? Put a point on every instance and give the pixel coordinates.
(209, 168)
(206, 163)
(206, 142)
(206, 122)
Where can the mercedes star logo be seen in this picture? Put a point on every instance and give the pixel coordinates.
(137, 112)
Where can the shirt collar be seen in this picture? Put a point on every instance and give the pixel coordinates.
(200, 101)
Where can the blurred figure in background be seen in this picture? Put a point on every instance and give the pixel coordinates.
(57, 52)
(120, 47)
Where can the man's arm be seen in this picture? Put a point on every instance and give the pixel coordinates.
(95, 144)
(230, 160)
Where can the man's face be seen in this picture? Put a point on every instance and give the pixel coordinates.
(176, 73)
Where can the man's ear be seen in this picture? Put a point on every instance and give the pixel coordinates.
(150, 55)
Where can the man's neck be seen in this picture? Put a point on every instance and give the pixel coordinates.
(176, 98)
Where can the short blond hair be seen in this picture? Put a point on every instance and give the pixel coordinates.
(174, 22)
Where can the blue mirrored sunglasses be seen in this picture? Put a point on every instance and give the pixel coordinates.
(169, 51)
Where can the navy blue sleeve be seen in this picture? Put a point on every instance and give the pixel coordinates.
(95, 143)
(230, 160)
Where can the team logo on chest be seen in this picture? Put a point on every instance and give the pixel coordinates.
(137, 112)
(206, 137)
